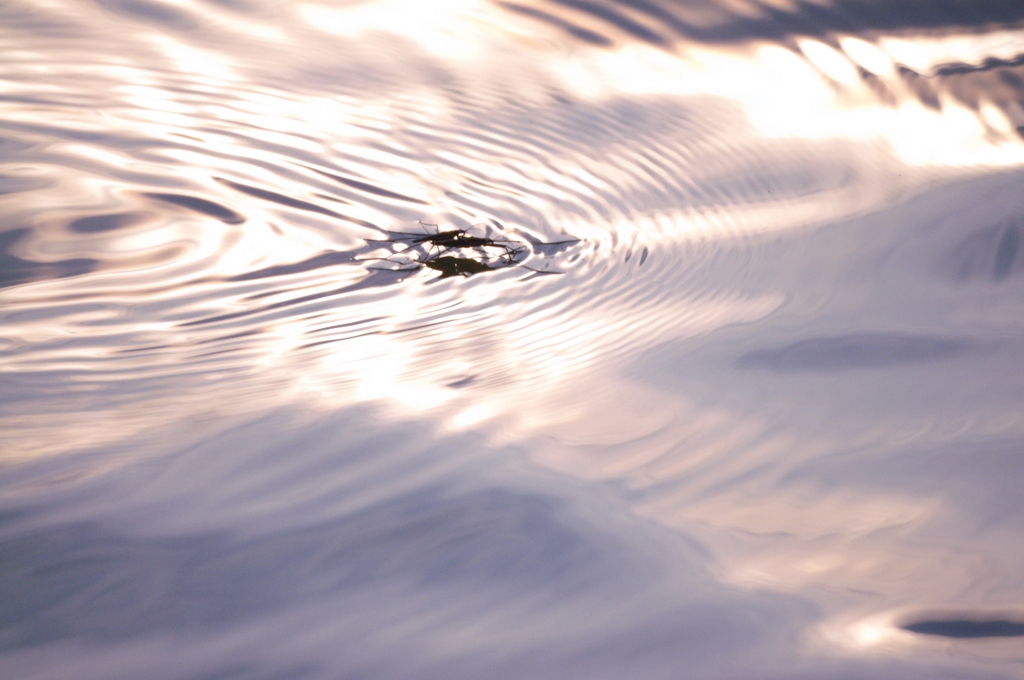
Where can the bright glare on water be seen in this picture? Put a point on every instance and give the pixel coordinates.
(511, 339)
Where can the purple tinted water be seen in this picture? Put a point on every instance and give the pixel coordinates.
(728, 385)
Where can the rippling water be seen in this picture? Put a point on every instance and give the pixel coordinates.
(730, 386)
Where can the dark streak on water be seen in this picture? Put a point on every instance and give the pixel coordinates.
(96, 224)
(15, 270)
(201, 206)
(965, 629)
(369, 188)
(708, 22)
(1006, 253)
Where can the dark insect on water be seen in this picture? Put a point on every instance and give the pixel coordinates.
(452, 239)
(455, 238)
(432, 250)
(450, 265)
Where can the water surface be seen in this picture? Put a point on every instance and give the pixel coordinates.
(745, 401)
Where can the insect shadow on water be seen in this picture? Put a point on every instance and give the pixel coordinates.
(472, 254)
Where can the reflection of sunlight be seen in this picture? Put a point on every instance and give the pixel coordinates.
(379, 367)
(784, 93)
(440, 26)
(831, 63)
(154, 99)
(868, 56)
(785, 96)
(874, 634)
(869, 634)
(204, 65)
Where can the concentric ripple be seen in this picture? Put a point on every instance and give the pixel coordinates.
(185, 221)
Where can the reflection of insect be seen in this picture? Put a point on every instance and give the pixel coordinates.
(456, 266)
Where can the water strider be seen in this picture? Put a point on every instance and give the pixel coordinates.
(475, 253)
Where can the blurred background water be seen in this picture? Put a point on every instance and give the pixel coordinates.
(759, 414)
